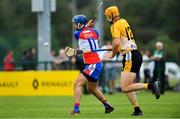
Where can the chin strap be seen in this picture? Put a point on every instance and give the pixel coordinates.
(80, 27)
(111, 22)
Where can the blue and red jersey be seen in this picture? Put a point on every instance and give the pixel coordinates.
(88, 41)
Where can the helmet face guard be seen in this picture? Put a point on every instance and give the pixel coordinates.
(79, 21)
(109, 19)
(78, 26)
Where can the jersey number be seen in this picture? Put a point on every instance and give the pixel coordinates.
(129, 33)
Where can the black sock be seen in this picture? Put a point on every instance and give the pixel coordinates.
(106, 104)
(149, 86)
(137, 109)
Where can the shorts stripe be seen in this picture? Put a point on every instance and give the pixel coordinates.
(128, 66)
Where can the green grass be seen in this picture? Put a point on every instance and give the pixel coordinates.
(59, 107)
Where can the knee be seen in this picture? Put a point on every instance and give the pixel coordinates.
(123, 89)
(77, 82)
(91, 90)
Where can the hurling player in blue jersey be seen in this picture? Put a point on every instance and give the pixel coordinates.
(88, 40)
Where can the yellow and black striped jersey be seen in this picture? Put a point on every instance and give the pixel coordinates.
(121, 29)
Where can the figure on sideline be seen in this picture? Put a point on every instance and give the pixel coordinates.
(88, 40)
(124, 43)
(110, 68)
(8, 62)
(159, 66)
(146, 66)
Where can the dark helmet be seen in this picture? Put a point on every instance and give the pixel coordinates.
(80, 19)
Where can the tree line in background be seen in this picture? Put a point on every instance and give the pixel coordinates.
(151, 21)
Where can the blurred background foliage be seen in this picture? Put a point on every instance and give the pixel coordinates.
(151, 21)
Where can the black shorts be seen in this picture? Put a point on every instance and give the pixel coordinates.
(132, 61)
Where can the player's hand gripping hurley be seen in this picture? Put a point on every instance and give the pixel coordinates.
(91, 22)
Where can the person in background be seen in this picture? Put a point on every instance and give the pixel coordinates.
(32, 59)
(145, 65)
(28, 60)
(159, 65)
(53, 59)
(24, 60)
(62, 60)
(8, 62)
(110, 69)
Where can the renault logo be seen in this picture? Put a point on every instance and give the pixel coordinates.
(35, 84)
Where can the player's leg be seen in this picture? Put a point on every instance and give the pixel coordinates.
(127, 78)
(78, 83)
(154, 81)
(93, 88)
(131, 65)
(140, 86)
(128, 84)
(92, 73)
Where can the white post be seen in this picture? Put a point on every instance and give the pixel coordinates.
(44, 34)
(43, 9)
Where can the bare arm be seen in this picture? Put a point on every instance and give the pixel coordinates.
(115, 46)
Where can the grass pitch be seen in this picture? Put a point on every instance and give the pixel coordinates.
(168, 106)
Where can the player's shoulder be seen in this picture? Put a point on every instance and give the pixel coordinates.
(77, 33)
(95, 30)
(120, 22)
(123, 21)
(87, 29)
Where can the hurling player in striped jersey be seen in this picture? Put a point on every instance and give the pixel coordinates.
(88, 40)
